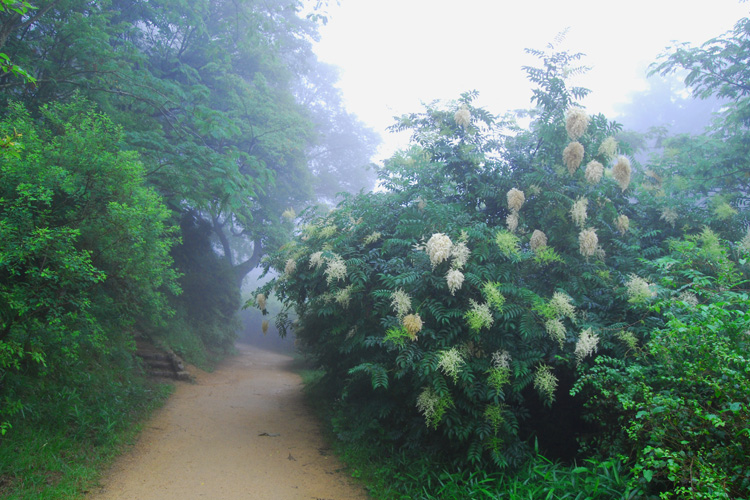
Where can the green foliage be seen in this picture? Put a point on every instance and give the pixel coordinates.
(84, 246)
(682, 401)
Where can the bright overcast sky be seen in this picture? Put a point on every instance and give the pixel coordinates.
(396, 54)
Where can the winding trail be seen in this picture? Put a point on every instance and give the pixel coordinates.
(241, 432)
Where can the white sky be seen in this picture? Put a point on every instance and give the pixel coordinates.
(396, 54)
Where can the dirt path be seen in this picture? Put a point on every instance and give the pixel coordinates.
(242, 432)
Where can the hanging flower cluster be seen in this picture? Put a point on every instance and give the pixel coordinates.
(587, 344)
(668, 215)
(512, 221)
(413, 325)
(401, 302)
(516, 199)
(556, 330)
(588, 242)
(455, 279)
(638, 289)
(608, 148)
(439, 248)
(450, 363)
(545, 382)
(316, 260)
(621, 172)
(479, 316)
(623, 223)
(459, 255)
(501, 359)
(261, 300)
(432, 406)
(290, 267)
(688, 298)
(573, 156)
(578, 212)
(372, 238)
(289, 214)
(576, 122)
(562, 305)
(344, 295)
(462, 116)
(335, 270)
(594, 172)
(538, 241)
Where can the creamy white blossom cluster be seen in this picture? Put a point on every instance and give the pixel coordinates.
(401, 302)
(688, 298)
(480, 315)
(623, 223)
(562, 305)
(578, 212)
(459, 255)
(439, 248)
(545, 382)
(573, 156)
(316, 260)
(608, 148)
(372, 238)
(638, 289)
(512, 221)
(516, 199)
(344, 295)
(621, 172)
(594, 172)
(264, 326)
(669, 216)
(455, 279)
(556, 330)
(328, 231)
(335, 269)
(462, 116)
(290, 267)
(450, 362)
(413, 324)
(576, 123)
(588, 343)
(261, 300)
(501, 359)
(588, 242)
(432, 406)
(538, 241)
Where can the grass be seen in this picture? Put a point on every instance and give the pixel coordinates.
(65, 442)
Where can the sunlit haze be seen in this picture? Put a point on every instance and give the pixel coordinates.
(396, 54)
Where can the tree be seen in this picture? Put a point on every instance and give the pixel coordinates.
(213, 96)
(715, 162)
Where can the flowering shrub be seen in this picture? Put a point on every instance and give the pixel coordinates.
(443, 327)
(500, 276)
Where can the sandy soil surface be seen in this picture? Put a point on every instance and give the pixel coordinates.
(241, 432)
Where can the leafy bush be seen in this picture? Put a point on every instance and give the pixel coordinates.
(683, 400)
